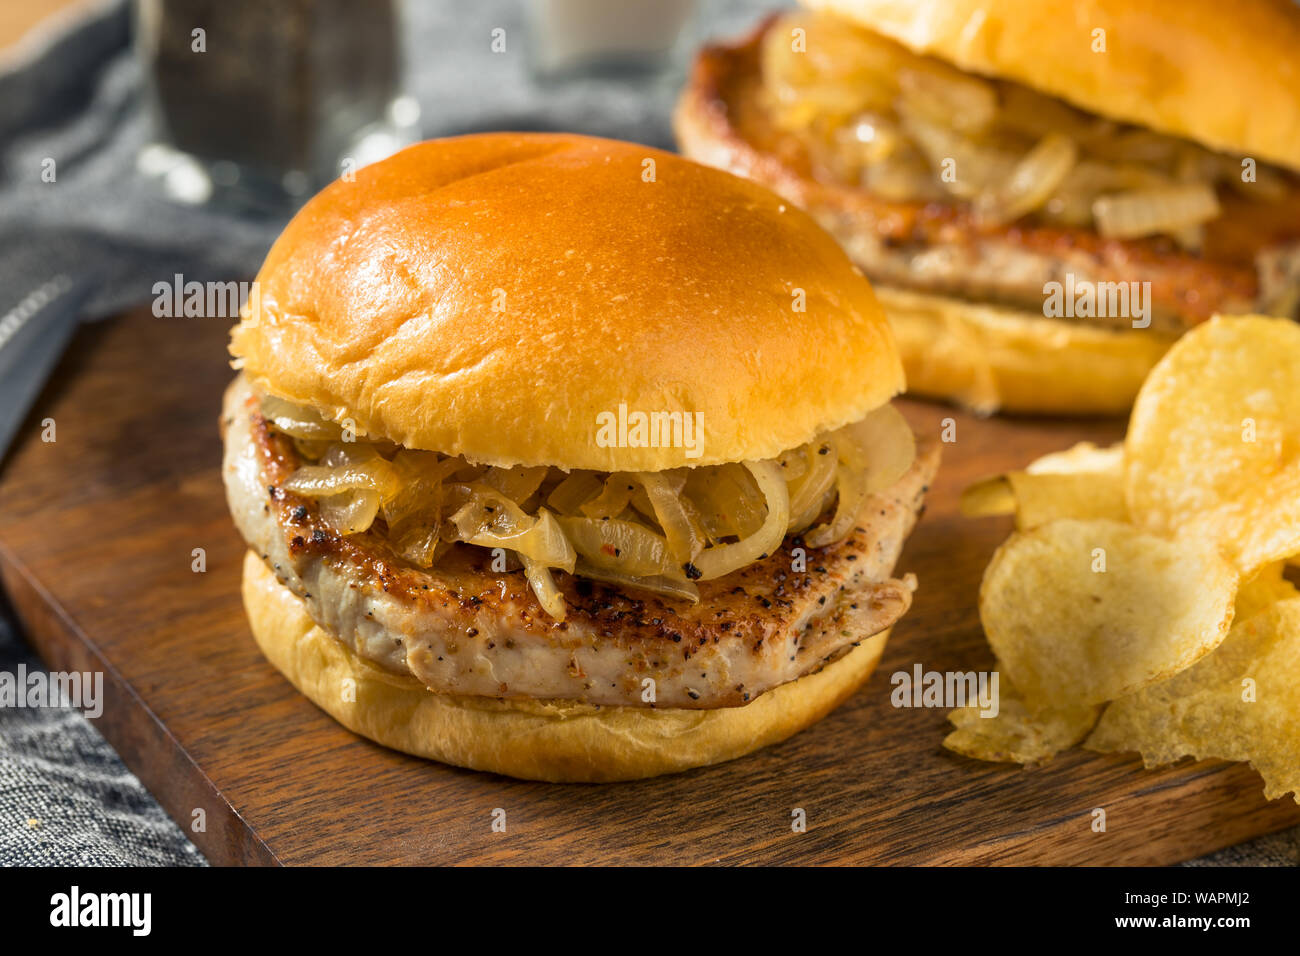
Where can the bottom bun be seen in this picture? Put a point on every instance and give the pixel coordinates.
(557, 741)
(992, 358)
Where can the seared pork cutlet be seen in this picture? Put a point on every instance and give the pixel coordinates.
(464, 629)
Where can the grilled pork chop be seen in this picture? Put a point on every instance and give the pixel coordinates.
(464, 629)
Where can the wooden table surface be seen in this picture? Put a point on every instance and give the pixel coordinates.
(96, 535)
(97, 531)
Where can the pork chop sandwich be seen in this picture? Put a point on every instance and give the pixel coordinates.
(1046, 193)
(568, 459)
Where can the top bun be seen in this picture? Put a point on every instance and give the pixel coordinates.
(1223, 74)
(491, 296)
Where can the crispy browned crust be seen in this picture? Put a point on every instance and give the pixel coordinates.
(720, 120)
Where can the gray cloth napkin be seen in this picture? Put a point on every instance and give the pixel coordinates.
(65, 796)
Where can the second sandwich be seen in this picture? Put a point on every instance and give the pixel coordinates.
(1045, 193)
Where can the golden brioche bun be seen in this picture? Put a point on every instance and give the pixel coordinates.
(562, 742)
(991, 358)
(1223, 74)
(492, 295)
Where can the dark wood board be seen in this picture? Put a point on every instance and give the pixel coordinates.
(96, 535)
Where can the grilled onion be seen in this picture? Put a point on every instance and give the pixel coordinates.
(881, 446)
(851, 492)
(910, 128)
(350, 512)
(1032, 181)
(543, 585)
(622, 546)
(948, 96)
(809, 493)
(491, 520)
(657, 531)
(727, 500)
(418, 544)
(724, 558)
(613, 500)
(1143, 212)
(574, 491)
(672, 510)
(874, 453)
(420, 475)
(320, 481)
(299, 421)
(518, 484)
(351, 483)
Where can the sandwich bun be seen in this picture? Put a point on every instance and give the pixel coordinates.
(556, 741)
(492, 296)
(1222, 74)
(990, 358)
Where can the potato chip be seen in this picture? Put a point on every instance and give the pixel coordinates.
(1038, 499)
(1241, 702)
(1014, 734)
(1081, 612)
(1082, 482)
(1083, 458)
(1214, 440)
(1267, 587)
(988, 498)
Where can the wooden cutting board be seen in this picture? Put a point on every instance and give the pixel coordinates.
(97, 533)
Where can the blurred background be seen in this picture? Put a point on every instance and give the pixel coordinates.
(180, 134)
